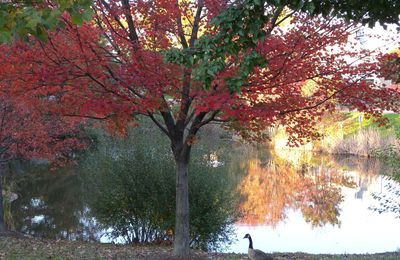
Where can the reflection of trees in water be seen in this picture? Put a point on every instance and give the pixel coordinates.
(309, 183)
(367, 168)
(366, 171)
(321, 196)
(270, 189)
(388, 201)
(50, 205)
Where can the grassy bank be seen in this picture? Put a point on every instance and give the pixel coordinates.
(12, 247)
(352, 124)
(350, 133)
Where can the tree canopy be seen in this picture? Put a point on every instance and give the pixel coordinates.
(364, 11)
(23, 18)
(19, 19)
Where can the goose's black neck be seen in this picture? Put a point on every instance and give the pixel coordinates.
(250, 242)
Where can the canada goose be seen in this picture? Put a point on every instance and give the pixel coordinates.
(255, 254)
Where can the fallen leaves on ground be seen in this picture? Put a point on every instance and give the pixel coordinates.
(16, 246)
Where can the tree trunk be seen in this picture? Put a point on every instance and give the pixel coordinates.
(2, 224)
(181, 240)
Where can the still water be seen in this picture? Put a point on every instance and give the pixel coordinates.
(329, 210)
(360, 230)
(291, 201)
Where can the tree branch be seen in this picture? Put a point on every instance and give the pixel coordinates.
(196, 23)
(180, 27)
(132, 30)
(277, 13)
(185, 101)
(323, 100)
(162, 128)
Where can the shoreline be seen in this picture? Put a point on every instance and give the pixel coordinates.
(14, 245)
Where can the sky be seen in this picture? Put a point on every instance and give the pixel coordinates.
(381, 39)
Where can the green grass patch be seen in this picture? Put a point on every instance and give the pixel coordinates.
(352, 123)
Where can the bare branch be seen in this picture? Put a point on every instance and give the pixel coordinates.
(162, 128)
(87, 116)
(277, 13)
(180, 27)
(132, 30)
(196, 23)
(211, 118)
(185, 100)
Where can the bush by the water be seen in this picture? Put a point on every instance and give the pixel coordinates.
(131, 189)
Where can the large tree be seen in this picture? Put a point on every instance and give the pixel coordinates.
(185, 64)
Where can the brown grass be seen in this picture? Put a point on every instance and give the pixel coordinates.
(363, 143)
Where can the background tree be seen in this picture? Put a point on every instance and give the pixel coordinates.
(27, 133)
(185, 64)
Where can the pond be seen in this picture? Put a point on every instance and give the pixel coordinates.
(354, 222)
(290, 201)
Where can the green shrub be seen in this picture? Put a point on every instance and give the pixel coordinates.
(131, 189)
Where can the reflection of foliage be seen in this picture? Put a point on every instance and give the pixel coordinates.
(267, 194)
(321, 200)
(389, 201)
(391, 157)
(7, 191)
(131, 189)
(49, 204)
(272, 189)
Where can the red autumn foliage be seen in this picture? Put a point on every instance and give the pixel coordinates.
(390, 67)
(91, 78)
(27, 133)
(29, 128)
